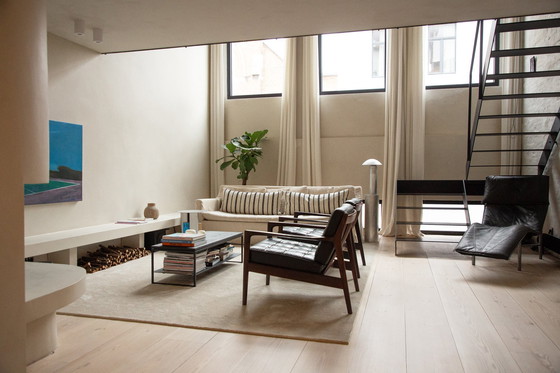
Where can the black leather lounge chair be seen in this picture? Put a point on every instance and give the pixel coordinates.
(514, 206)
(302, 258)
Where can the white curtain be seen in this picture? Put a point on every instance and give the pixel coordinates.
(310, 113)
(218, 87)
(511, 160)
(404, 123)
(287, 137)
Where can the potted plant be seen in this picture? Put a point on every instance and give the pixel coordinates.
(244, 154)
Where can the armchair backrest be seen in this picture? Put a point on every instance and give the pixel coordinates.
(340, 223)
(510, 200)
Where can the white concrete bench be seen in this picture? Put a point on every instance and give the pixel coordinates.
(61, 246)
(48, 287)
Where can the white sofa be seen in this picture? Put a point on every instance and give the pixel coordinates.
(215, 219)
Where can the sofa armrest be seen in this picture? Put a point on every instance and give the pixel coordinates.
(208, 204)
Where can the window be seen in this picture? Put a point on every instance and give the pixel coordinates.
(352, 61)
(256, 68)
(448, 53)
(441, 49)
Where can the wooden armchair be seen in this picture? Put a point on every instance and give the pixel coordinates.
(302, 258)
(305, 218)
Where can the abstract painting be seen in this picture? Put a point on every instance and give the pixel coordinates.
(65, 167)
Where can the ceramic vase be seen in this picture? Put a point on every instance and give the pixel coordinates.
(151, 211)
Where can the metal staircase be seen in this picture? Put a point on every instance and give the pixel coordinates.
(536, 141)
(486, 134)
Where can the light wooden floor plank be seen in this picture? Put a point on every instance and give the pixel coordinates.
(379, 344)
(122, 353)
(244, 353)
(531, 348)
(479, 344)
(77, 337)
(430, 346)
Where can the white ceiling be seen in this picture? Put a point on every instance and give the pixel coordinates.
(146, 24)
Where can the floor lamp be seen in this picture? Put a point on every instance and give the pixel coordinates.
(372, 202)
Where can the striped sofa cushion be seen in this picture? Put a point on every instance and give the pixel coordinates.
(314, 203)
(255, 203)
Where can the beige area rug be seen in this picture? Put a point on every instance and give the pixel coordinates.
(285, 308)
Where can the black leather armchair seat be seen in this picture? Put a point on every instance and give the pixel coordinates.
(513, 207)
(287, 254)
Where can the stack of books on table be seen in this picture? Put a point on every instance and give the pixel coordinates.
(186, 239)
(183, 263)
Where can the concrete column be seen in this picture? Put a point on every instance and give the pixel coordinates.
(24, 157)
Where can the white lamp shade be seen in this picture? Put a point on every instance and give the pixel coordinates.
(371, 162)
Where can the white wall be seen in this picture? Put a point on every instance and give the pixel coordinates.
(145, 131)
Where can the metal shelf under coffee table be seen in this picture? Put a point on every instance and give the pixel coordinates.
(214, 240)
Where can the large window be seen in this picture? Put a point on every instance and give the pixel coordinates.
(256, 68)
(448, 52)
(352, 61)
(441, 49)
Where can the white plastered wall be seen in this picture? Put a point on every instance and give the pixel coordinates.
(145, 132)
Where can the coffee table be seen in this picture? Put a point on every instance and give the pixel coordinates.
(214, 240)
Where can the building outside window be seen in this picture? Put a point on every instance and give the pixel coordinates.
(352, 61)
(256, 68)
(441, 49)
(448, 52)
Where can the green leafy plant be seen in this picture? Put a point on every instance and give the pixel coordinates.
(244, 154)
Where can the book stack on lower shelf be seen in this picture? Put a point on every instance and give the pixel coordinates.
(226, 251)
(183, 263)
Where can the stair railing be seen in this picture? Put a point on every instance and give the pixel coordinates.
(484, 64)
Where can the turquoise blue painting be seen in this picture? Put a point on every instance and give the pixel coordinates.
(65, 167)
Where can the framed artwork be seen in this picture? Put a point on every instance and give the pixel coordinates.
(65, 167)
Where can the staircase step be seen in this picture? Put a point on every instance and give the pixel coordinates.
(515, 133)
(535, 74)
(506, 150)
(525, 51)
(522, 96)
(524, 115)
(401, 222)
(440, 187)
(504, 165)
(528, 25)
(430, 208)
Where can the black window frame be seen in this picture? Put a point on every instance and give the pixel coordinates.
(230, 96)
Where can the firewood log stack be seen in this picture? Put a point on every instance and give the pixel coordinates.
(108, 256)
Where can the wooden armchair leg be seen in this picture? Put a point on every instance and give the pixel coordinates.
(268, 279)
(344, 283)
(353, 261)
(245, 284)
(360, 243)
